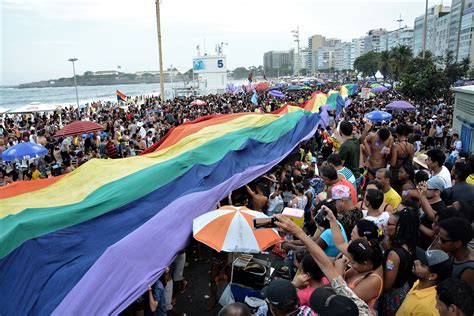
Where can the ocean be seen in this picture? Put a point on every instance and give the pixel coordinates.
(12, 98)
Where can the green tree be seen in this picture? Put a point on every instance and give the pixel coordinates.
(367, 63)
(401, 58)
(240, 73)
(384, 64)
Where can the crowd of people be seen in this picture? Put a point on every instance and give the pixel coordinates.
(388, 206)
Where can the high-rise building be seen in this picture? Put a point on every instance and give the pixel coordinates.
(403, 36)
(342, 56)
(324, 57)
(372, 40)
(457, 8)
(442, 35)
(314, 42)
(466, 34)
(332, 42)
(357, 49)
(304, 55)
(434, 13)
(278, 60)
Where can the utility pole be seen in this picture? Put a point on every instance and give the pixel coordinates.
(400, 20)
(296, 36)
(425, 26)
(160, 51)
(72, 60)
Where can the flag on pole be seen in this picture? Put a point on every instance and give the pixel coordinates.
(254, 99)
(121, 96)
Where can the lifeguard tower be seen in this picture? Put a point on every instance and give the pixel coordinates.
(211, 70)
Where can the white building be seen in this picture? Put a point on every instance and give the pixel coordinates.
(325, 58)
(372, 40)
(212, 71)
(434, 13)
(442, 35)
(314, 42)
(357, 49)
(304, 60)
(403, 36)
(106, 73)
(342, 56)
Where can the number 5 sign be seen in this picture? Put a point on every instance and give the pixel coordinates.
(220, 63)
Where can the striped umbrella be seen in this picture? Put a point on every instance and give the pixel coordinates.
(231, 229)
(79, 127)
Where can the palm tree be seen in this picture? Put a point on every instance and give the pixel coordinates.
(401, 58)
(384, 64)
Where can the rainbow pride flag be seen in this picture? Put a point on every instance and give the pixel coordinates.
(90, 242)
(121, 96)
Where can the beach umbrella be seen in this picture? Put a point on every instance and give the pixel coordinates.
(293, 88)
(375, 85)
(277, 87)
(24, 150)
(33, 108)
(79, 127)
(400, 105)
(230, 229)
(378, 116)
(198, 102)
(276, 94)
(379, 89)
(261, 86)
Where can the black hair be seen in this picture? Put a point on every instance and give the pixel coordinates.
(448, 212)
(421, 176)
(400, 129)
(457, 292)
(308, 265)
(241, 200)
(346, 128)
(407, 225)
(470, 161)
(461, 170)
(457, 229)
(384, 133)
(363, 250)
(386, 173)
(334, 159)
(437, 155)
(376, 183)
(374, 197)
(410, 170)
(329, 172)
(368, 229)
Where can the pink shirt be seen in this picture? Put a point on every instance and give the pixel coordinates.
(305, 294)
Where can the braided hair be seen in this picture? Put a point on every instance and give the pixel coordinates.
(407, 225)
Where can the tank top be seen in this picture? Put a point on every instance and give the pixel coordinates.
(404, 268)
(458, 268)
(372, 301)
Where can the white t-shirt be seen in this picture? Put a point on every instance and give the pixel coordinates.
(275, 206)
(445, 176)
(439, 130)
(381, 220)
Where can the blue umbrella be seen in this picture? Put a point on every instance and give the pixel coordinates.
(26, 150)
(378, 116)
(276, 94)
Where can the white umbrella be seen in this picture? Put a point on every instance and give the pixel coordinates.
(231, 229)
(34, 107)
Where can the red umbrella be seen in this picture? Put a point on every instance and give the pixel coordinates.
(261, 86)
(79, 127)
(198, 102)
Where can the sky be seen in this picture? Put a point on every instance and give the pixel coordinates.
(38, 36)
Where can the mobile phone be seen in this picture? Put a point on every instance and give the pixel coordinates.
(267, 222)
(320, 216)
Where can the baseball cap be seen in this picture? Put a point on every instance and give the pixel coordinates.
(438, 262)
(325, 301)
(341, 192)
(281, 292)
(435, 183)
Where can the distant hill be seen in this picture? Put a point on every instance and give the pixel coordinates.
(106, 78)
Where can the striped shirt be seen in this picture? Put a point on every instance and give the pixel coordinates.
(347, 173)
